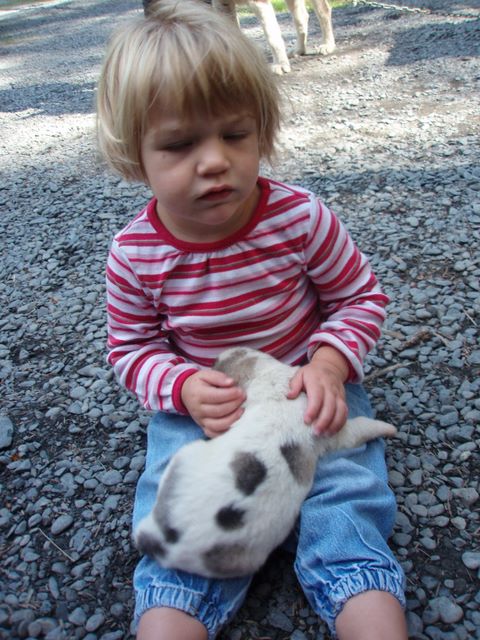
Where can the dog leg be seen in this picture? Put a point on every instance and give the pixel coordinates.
(323, 12)
(300, 18)
(266, 15)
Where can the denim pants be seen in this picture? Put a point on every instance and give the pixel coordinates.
(340, 536)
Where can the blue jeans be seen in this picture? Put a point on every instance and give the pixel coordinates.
(340, 536)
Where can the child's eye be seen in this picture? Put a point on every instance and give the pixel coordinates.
(236, 135)
(180, 145)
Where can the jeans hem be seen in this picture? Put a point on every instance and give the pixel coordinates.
(358, 583)
(189, 602)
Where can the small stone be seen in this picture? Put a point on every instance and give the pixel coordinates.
(94, 622)
(6, 432)
(78, 393)
(449, 611)
(298, 635)
(111, 478)
(471, 559)
(78, 617)
(402, 539)
(459, 523)
(395, 478)
(449, 419)
(468, 495)
(415, 624)
(428, 543)
(76, 408)
(280, 620)
(61, 524)
(416, 477)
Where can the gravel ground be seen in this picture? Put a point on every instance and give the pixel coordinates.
(386, 131)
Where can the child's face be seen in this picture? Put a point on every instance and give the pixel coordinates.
(203, 172)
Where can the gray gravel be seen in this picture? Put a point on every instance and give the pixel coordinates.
(386, 131)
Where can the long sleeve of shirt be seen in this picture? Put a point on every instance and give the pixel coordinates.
(352, 303)
(290, 280)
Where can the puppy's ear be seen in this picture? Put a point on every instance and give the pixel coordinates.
(239, 364)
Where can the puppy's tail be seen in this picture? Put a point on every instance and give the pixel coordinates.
(355, 432)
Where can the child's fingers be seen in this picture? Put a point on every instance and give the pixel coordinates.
(315, 400)
(215, 427)
(215, 398)
(295, 386)
(331, 418)
(217, 378)
(315, 404)
(221, 410)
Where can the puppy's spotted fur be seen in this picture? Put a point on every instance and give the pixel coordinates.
(224, 504)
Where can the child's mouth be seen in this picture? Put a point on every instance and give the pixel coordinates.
(217, 194)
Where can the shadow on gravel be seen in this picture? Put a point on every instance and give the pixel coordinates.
(455, 40)
(24, 23)
(53, 99)
(37, 41)
(432, 5)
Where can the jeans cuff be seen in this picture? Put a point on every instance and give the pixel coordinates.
(360, 582)
(190, 602)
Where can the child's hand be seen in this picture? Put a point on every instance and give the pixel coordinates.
(213, 400)
(322, 380)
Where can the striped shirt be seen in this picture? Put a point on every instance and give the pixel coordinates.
(290, 280)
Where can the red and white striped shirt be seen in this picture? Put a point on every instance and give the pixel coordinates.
(288, 281)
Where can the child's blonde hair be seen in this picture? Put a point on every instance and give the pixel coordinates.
(186, 58)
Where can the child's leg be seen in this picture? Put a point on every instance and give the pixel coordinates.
(165, 598)
(165, 624)
(342, 550)
(372, 615)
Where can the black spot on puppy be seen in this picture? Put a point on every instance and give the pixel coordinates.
(226, 560)
(149, 546)
(299, 464)
(249, 472)
(230, 517)
(171, 535)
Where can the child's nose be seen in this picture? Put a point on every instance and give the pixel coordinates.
(213, 157)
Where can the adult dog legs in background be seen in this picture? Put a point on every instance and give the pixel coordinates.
(266, 14)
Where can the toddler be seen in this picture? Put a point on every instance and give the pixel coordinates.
(222, 257)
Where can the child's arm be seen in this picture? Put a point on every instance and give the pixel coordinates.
(323, 382)
(353, 309)
(139, 349)
(143, 360)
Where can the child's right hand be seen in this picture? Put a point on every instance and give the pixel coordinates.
(213, 400)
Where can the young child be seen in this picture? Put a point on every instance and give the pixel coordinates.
(222, 257)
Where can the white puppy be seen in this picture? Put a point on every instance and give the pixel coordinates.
(224, 504)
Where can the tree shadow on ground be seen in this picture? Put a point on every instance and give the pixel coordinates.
(451, 39)
(49, 98)
(44, 75)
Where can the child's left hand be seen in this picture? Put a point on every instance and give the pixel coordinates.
(323, 382)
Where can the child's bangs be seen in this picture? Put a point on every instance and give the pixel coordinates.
(211, 82)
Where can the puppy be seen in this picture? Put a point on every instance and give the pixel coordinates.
(224, 504)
